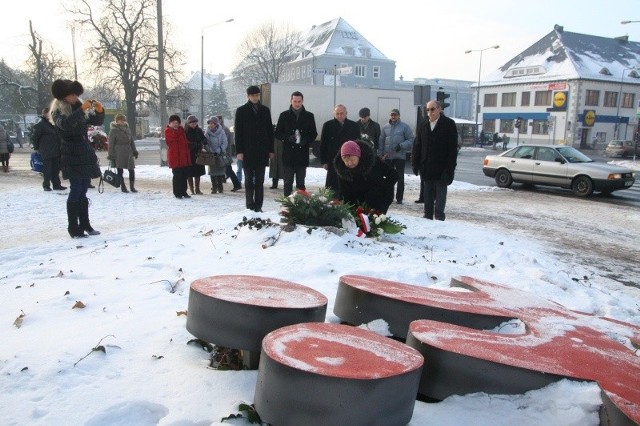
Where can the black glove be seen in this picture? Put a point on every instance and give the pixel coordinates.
(135, 154)
(398, 148)
(416, 171)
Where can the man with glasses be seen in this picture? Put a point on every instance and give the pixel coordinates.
(396, 139)
(434, 158)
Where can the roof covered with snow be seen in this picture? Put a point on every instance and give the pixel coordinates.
(337, 37)
(563, 55)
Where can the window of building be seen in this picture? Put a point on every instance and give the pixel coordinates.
(489, 125)
(543, 98)
(490, 99)
(526, 99)
(297, 73)
(360, 70)
(628, 100)
(506, 126)
(303, 72)
(509, 99)
(540, 127)
(376, 71)
(610, 99)
(592, 98)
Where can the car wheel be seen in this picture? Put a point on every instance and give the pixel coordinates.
(582, 186)
(503, 178)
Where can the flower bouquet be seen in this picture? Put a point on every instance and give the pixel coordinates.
(374, 223)
(322, 209)
(318, 209)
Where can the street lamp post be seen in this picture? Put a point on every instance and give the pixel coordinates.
(202, 65)
(478, 87)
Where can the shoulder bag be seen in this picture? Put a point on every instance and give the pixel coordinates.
(204, 158)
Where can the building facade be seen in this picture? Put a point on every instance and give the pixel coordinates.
(567, 88)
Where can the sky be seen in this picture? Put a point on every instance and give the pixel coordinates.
(133, 282)
(426, 39)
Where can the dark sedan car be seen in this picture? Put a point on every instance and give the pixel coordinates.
(556, 165)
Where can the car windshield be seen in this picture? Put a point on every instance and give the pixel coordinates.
(572, 155)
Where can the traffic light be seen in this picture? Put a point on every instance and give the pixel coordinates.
(441, 96)
(517, 123)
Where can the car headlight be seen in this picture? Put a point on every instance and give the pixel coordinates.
(613, 176)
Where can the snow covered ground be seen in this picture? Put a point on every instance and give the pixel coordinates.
(133, 281)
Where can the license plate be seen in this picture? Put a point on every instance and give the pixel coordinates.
(628, 183)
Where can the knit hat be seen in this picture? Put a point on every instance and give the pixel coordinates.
(174, 117)
(253, 90)
(364, 112)
(213, 119)
(192, 119)
(395, 111)
(60, 89)
(350, 148)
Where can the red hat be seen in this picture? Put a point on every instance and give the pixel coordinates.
(350, 148)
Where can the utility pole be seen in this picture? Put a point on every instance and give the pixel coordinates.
(163, 87)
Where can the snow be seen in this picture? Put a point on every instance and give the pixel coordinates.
(134, 278)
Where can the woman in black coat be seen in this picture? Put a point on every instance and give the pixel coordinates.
(364, 178)
(79, 163)
(46, 141)
(196, 138)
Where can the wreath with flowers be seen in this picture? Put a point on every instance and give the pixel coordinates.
(322, 209)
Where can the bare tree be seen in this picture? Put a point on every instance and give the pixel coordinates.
(124, 52)
(17, 94)
(264, 52)
(45, 65)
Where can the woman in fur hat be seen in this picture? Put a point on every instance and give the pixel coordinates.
(79, 163)
(364, 178)
(122, 151)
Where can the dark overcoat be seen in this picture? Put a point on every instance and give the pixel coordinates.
(253, 130)
(45, 139)
(435, 152)
(296, 154)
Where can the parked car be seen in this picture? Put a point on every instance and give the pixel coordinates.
(619, 148)
(560, 165)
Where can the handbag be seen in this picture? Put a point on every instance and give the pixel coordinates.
(221, 160)
(36, 162)
(10, 146)
(204, 158)
(112, 178)
(227, 159)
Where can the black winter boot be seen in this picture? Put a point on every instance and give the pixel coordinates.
(132, 179)
(214, 184)
(220, 183)
(85, 225)
(73, 213)
(123, 186)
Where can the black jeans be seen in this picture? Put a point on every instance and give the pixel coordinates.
(51, 172)
(435, 192)
(289, 172)
(232, 175)
(254, 187)
(398, 164)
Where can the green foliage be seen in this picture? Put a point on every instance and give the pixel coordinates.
(321, 209)
(249, 411)
(218, 103)
(318, 209)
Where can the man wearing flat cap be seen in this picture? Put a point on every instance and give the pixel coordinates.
(254, 145)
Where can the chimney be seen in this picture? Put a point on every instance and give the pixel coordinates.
(558, 28)
(623, 39)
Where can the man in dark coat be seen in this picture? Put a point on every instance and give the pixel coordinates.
(334, 133)
(254, 145)
(45, 141)
(369, 129)
(296, 129)
(434, 157)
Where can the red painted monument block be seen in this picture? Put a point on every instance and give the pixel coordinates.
(462, 357)
(237, 311)
(332, 374)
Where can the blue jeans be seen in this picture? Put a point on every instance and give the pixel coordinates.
(435, 192)
(78, 188)
(239, 167)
